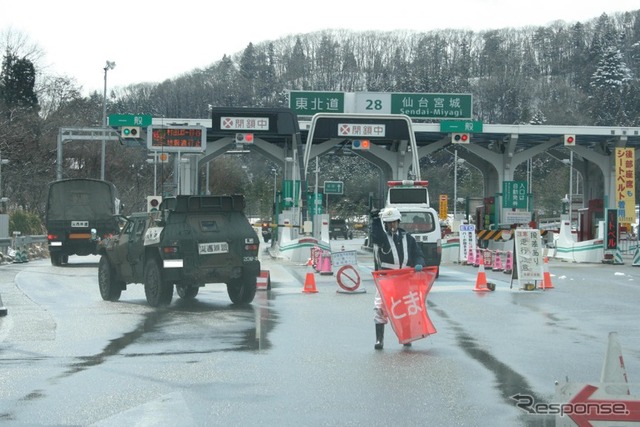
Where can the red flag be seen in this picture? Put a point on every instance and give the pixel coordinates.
(404, 294)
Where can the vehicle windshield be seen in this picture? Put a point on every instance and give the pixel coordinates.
(418, 222)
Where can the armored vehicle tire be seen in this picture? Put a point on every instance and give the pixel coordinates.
(187, 292)
(56, 259)
(110, 288)
(157, 291)
(242, 290)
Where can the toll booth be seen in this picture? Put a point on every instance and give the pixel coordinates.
(384, 140)
(485, 215)
(273, 133)
(589, 218)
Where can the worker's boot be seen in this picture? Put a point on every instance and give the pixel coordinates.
(379, 336)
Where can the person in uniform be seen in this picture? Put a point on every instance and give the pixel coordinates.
(393, 248)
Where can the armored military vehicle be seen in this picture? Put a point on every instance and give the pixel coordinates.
(339, 228)
(189, 241)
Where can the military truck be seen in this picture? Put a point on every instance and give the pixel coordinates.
(189, 241)
(339, 228)
(79, 213)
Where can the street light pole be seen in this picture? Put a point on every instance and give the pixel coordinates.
(3, 199)
(456, 161)
(455, 185)
(275, 183)
(275, 194)
(570, 184)
(569, 197)
(110, 65)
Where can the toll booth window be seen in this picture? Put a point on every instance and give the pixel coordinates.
(418, 222)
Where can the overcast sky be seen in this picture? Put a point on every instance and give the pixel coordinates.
(151, 41)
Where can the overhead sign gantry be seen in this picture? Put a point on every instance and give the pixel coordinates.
(273, 132)
(386, 140)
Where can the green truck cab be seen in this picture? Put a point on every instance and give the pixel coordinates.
(189, 241)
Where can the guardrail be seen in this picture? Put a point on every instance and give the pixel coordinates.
(21, 241)
(20, 247)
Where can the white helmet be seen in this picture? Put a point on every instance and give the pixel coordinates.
(390, 215)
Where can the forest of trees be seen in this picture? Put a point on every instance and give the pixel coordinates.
(585, 73)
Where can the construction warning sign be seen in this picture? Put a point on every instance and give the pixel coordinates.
(467, 242)
(338, 259)
(528, 254)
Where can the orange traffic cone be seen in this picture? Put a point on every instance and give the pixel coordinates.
(481, 280)
(546, 277)
(310, 283)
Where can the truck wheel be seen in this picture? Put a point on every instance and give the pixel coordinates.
(243, 290)
(156, 290)
(110, 288)
(56, 259)
(187, 292)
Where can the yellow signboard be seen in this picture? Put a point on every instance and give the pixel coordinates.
(444, 199)
(625, 166)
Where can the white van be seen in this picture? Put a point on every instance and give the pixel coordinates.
(419, 219)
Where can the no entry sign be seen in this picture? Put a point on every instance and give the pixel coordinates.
(348, 278)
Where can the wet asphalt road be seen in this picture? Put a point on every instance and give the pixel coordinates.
(292, 358)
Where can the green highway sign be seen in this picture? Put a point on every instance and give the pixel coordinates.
(414, 105)
(333, 187)
(315, 203)
(310, 103)
(117, 120)
(514, 194)
(432, 105)
(460, 126)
